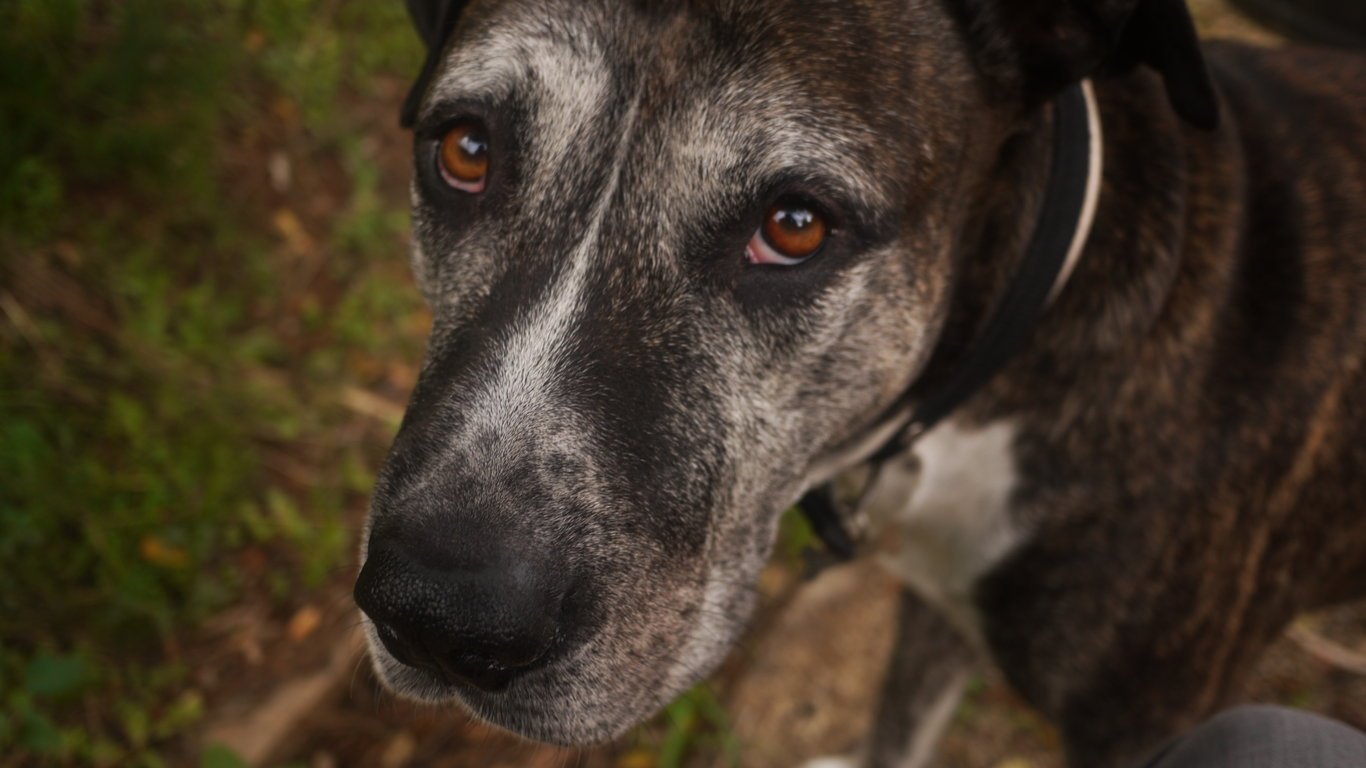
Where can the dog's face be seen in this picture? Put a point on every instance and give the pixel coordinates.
(680, 256)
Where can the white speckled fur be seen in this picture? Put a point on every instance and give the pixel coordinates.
(951, 517)
(534, 293)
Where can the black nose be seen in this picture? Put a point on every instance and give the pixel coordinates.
(473, 620)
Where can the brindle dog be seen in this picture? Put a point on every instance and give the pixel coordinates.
(683, 254)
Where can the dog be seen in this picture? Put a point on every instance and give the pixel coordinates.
(690, 259)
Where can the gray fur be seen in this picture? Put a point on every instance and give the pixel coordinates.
(611, 390)
(639, 141)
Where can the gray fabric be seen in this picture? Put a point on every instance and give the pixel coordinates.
(1266, 737)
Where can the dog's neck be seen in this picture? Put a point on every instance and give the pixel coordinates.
(1117, 291)
(1121, 283)
(1062, 221)
(995, 234)
(1064, 213)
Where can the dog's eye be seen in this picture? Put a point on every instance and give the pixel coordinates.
(464, 157)
(792, 232)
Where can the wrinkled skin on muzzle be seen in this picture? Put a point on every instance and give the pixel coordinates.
(615, 406)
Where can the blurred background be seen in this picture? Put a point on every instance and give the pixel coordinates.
(207, 336)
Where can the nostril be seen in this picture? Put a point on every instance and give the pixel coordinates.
(477, 627)
(477, 670)
(490, 666)
(408, 652)
(453, 666)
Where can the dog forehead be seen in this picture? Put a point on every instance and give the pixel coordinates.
(719, 86)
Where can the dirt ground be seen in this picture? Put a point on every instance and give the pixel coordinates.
(794, 689)
(294, 689)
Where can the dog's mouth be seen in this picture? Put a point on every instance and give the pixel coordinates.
(572, 665)
(567, 697)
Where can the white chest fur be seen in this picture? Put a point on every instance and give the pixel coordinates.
(950, 516)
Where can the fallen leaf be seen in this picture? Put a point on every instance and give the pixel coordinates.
(254, 41)
(286, 110)
(159, 553)
(370, 404)
(636, 758)
(364, 366)
(546, 757)
(280, 171)
(303, 622)
(774, 580)
(253, 560)
(399, 751)
(292, 230)
(402, 377)
(247, 644)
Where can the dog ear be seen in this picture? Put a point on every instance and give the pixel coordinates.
(435, 20)
(1044, 46)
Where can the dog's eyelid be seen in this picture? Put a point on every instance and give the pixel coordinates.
(435, 121)
(842, 204)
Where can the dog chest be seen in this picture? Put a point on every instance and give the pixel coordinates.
(948, 510)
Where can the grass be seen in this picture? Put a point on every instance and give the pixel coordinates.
(199, 260)
(696, 722)
(172, 353)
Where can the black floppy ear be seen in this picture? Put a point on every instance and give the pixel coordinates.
(1161, 34)
(434, 20)
(1044, 46)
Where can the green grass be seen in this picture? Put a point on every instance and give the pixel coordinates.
(169, 372)
(697, 723)
(175, 339)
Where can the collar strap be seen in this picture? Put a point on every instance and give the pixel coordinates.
(1059, 238)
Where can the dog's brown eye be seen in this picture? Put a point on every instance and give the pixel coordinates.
(792, 232)
(464, 157)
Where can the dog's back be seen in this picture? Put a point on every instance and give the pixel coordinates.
(1296, 308)
(1214, 415)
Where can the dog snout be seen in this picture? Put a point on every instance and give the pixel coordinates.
(479, 621)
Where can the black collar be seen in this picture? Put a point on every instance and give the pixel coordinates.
(1059, 237)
